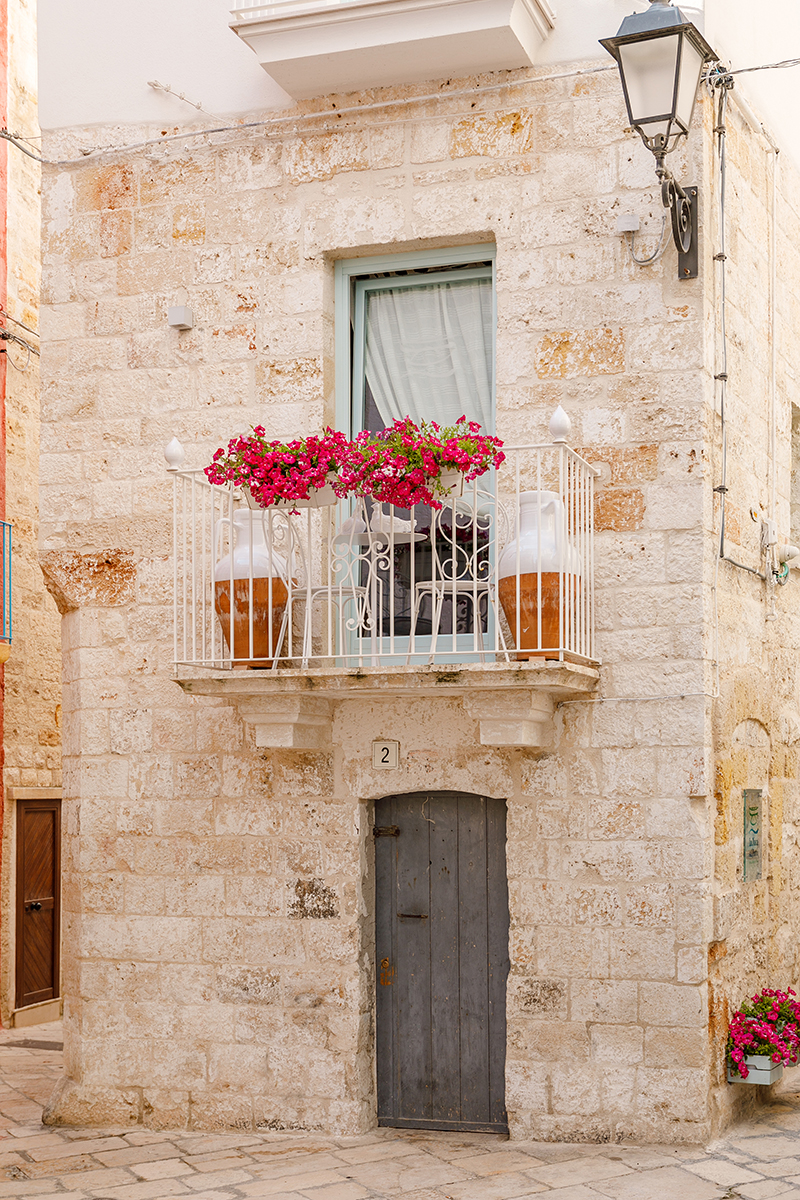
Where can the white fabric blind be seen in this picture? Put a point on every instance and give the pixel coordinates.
(429, 351)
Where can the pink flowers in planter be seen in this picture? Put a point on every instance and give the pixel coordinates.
(769, 1025)
(280, 470)
(401, 465)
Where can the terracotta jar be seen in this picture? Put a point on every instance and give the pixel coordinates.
(549, 574)
(255, 564)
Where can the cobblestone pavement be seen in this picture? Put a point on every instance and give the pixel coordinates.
(755, 1162)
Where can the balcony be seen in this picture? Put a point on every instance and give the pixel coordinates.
(285, 612)
(318, 47)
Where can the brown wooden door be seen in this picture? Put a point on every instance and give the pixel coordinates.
(38, 900)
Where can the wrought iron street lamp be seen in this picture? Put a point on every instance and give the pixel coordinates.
(660, 57)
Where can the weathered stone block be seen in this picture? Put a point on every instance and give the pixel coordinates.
(248, 985)
(581, 352)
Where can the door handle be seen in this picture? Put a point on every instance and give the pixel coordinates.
(414, 916)
(35, 905)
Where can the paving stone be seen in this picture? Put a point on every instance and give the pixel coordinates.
(586, 1170)
(54, 1150)
(216, 1179)
(507, 1186)
(402, 1178)
(497, 1163)
(771, 1146)
(216, 1162)
(93, 1181)
(338, 1191)
(60, 1196)
(166, 1169)
(299, 1165)
(764, 1190)
(372, 1153)
(206, 1143)
(781, 1166)
(25, 1188)
(579, 1192)
(718, 1170)
(268, 1187)
(130, 1155)
(639, 1158)
(211, 1195)
(147, 1191)
(555, 1152)
(144, 1137)
(662, 1183)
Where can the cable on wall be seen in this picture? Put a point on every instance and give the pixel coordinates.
(289, 118)
(657, 253)
(293, 118)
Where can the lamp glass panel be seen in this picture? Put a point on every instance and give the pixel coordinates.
(649, 69)
(691, 68)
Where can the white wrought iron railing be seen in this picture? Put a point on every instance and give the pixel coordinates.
(503, 572)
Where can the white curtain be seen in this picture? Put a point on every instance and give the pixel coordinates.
(429, 351)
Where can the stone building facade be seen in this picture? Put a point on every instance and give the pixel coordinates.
(30, 681)
(219, 897)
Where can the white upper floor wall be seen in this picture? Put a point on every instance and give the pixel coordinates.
(96, 60)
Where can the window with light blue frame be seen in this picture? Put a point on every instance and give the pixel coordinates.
(415, 336)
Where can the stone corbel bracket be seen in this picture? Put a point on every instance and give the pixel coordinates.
(513, 703)
(516, 717)
(288, 722)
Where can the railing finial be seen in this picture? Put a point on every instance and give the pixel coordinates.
(175, 455)
(560, 425)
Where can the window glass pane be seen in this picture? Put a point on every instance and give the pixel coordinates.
(649, 68)
(691, 66)
(429, 352)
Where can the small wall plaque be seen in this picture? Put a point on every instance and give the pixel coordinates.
(752, 834)
(385, 755)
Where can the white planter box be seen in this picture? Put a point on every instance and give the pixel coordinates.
(317, 498)
(762, 1070)
(452, 482)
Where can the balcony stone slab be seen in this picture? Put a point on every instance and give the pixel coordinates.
(513, 703)
(312, 48)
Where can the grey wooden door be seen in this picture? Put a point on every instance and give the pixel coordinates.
(442, 951)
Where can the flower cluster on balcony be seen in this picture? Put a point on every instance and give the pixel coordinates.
(401, 465)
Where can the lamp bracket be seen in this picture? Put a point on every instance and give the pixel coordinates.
(681, 204)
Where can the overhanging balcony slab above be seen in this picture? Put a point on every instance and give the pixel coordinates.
(314, 48)
(293, 709)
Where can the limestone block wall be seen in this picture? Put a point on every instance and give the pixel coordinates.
(32, 676)
(219, 898)
(756, 720)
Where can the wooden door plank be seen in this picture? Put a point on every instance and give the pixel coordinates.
(499, 962)
(474, 973)
(413, 951)
(445, 1032)
(385, 1014)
